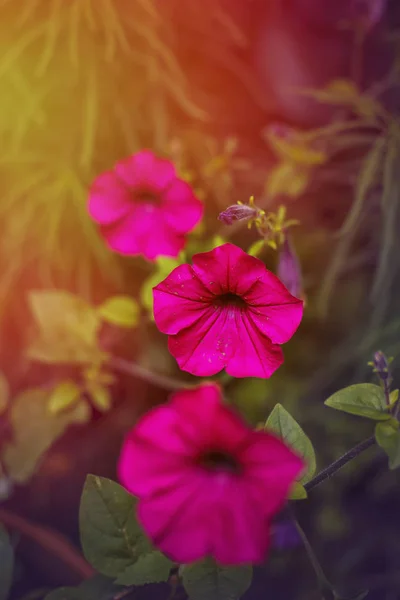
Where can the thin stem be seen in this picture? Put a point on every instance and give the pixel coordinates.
(340, 462)
(53, 542)
(163, 381)
(323, 581)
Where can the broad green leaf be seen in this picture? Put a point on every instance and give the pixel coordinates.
(393, 397)
(387, 436)
(6, 564)
(363, 399)
(4, 393)
(286, 427)
(206, 580)
(34, 431)
(63, 396)
(149, 568)
(67, 328)
(256, 248)
(100, 396)
(122, 311)
(298, 492)
(111, 538)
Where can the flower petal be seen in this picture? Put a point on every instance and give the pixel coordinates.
(255, 355)
(145, 169)
(228, 269)
(143, 232)
(213, 424)
(181, 209)
(206, 347)
(240, 531)
(129, 235)
(178, 521)
(271, 467)
(179, 300)
(108, 200)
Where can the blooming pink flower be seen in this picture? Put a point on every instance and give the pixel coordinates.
(207, 484)
(227, 310)
(143, 207)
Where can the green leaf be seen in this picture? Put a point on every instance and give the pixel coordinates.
(34, 431)
(111, 538)
(149, 568)
(298, 492)
(122, 311)
(387, 436)
(206, 580)
(363, 399)
(256, 248)
(67, 328)
(393, 397)
(100, 395)
(4, 393)
(286, 427)
(63, 396)
(6, 564)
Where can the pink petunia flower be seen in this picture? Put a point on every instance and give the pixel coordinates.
(207, 484)
(227, 310)
(142, 207)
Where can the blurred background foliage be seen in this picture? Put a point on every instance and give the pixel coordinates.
(88, 82)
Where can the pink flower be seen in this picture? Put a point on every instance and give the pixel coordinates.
(289, 270)
(207, 484)
(142, 206)
(368, 12)
(227, 310)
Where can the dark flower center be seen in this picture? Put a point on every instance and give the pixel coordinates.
(145, 195)
(218, 460)
(231, 300)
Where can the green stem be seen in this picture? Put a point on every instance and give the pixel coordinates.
(163, 381)
(323, 582)
(340, 462)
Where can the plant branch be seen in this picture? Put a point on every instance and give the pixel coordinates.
(51, 541)
(163, 381)
(340, 462)
(323, 581)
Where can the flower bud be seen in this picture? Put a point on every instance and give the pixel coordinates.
(381, 366)
(289, 270)
(368, 12)
(238, 212)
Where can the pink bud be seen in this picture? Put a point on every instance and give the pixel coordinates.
(238, 212)
(370, 12)
(289, 270)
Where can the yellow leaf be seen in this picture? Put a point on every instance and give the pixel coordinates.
(256, 248)
(4, 393)
(34, 431)
(122, 311)
(164, 266)
(298, 492)
(100, 396)
(67, 328)
(286, 179)
(63, 396)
